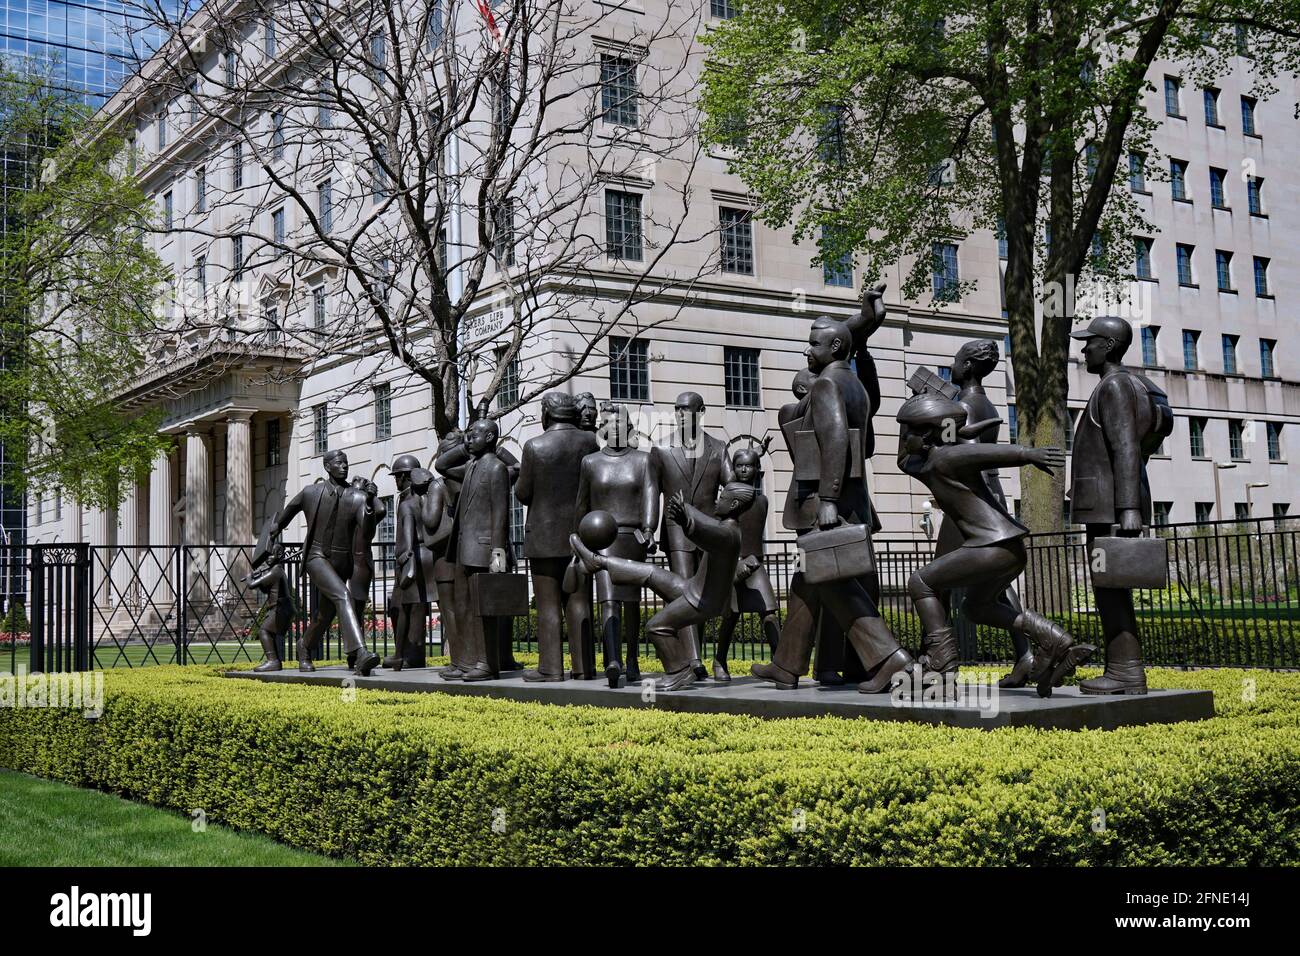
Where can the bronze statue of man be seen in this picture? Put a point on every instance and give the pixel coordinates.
(480, 536)
(450, 447)
(613, 480)
(336, 516)
(419, 513)
(1110, 487)
(696, 464)
(688, 601)
(548, 487)
(837, 412)
(753, 591)
(363, 565)
(934, 447)
(588, 414)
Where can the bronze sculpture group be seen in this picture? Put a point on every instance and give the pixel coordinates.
(599, 507)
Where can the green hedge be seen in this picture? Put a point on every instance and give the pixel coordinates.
(436, 779)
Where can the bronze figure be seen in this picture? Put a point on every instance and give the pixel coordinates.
(268, 577)
(548, 487)
(419, 513)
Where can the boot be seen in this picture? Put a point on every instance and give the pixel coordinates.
(1124, 672)
(367, 660)
(939, 651)
(677, 680)
(678, 671)
(1051, 644)
(882, 681)
(304, 657)
(613, 651)
(395, 660)
(271, 656)
(1019, 675)
(781, 677)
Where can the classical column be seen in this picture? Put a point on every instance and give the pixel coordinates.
(76, 532)
(198, 515)
(125, 559)
(100, 537)
(158, 565)
(239, 496)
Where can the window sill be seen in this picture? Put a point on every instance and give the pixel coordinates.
(1175, 115)
(1228, 291)
(1253, 135)
(1182, 199)
(1146, 279)
(1259, 215)
(1139, 192)
(1215, 126)
(1189, 285)
(1222, 208)
(1264, 295)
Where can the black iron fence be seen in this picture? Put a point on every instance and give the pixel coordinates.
(1233, 600)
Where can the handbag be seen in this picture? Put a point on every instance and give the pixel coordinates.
(1117, 562)
(836, 554)
(500, 594)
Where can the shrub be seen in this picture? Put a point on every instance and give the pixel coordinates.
(390, 778)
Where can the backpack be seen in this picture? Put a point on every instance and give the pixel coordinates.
(1160, 420)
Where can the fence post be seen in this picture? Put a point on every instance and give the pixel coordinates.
(182, 602)
(37, 616)
(81, 642)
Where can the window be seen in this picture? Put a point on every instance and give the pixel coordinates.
(1280, 509)
(516, 527)
(383, 411)
(1071, 416)
(162, 129)
(501, 109)
(1248, 116)
(623, 225)
(1184, 254)
(232, 69)
(1261, 276)
(1000, 230)
(1150, 354)
(1230, 354)
(1161, 511)
(237, 256)
(944, 276)
(325, 205)
(1013, 425)
(168, 209)
(324, 115)
(201, 189)
(737, 241)
(1211, 97)
(618, 92)
(1137, 175)
(830, 137)
(740, 377)
(378, 56)
(58, 504)
(271, 318)
(201, 273)
(277, 226)
(40, 507)
(437, 21)
(1178, 178)
(1218, 198)
(1266, 349)
(503, 229)
(272, 442)
(1223, 269)
(1241, 510)
(1090, 161)
(1204, 512)
(1191, 350)
(1196, 436)
(1142, 262)
(1241, 39)
(277, 136)
(1236, 439)
(318, 308)
(1254, 196)
(629, 370)
(508, 390)
(836, 270)
(722, 9)
(386, 530)
(380, 181)
(268, 38)
(1273, 431)
(237, 165)
(320, 429)
(1173, 93)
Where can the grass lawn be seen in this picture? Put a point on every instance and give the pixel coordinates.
(43, 823)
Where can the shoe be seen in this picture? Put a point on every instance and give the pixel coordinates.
(779, 676)
(367, 661)
(720, 672)
(1051, 644)
(268, 666)
(581, 675)
(540, 677)
(899, 662)
(701, 672)
(633, 675)
(394, 661)
(589, 559)
(479, 674)
(304, 658)
(452, 673)
(830, 679)
(676, 680)
(1019, 675)
(1127, 677)
(613, 674)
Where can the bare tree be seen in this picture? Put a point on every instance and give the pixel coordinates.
(462, 179)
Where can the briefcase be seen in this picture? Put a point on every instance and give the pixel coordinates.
(503, 594)
(1118, 562)
(836, 554)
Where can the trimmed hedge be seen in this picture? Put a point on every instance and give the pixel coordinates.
(435, 779)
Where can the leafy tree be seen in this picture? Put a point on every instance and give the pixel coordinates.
(76, 301)
(897, 124)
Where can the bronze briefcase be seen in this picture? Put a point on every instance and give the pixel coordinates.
(502, 594)
(836, 554)
(1117, 562)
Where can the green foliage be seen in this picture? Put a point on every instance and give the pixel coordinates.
(437, 779)
(15, 619)
(78, 291)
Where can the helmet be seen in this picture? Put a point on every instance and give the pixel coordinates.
(405, 463)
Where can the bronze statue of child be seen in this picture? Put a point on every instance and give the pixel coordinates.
(278, 609)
